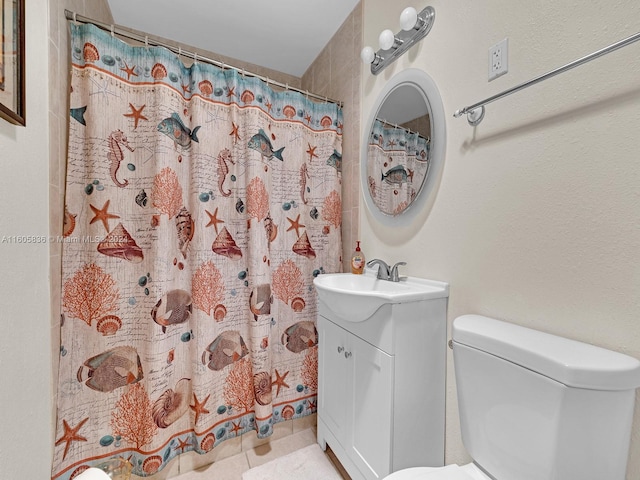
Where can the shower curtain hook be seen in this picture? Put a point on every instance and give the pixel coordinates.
(112, 27)
(75, 17)
(243, 73)
(195, 58)
(179, 51)
(146, 41)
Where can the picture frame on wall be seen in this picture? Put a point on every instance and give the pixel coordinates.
(12, 81)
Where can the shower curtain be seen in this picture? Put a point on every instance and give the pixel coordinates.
(200, 205)
(397, 166)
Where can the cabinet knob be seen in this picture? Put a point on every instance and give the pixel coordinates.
(347, 354)
(340, 349)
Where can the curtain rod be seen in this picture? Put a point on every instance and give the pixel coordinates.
(124, 32)
(401, 127)
(475, 117)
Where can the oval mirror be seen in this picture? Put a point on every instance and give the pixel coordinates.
(403, 148)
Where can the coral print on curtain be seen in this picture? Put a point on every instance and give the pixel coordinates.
(398, 165)
(200, 205)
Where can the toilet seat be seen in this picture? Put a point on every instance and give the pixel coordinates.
(450, 472)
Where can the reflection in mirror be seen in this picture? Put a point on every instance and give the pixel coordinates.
(398, 150)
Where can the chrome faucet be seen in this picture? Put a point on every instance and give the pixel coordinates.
(393, 276)
(384, 271)
(383, 268)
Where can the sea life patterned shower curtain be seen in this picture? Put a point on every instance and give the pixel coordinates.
(397, 165)
(200, 205)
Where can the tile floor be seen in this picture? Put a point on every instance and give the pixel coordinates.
(232, 468)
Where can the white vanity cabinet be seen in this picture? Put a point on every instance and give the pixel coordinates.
(381, 386)
(356, 397)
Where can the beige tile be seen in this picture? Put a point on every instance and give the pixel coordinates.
(306, 82)
(55, 267)
(357, 20)
(230, 468)
(55, 10)
(100, 11)
(342, 49)
(56, 217)
(64, 62)
(250, 440)
(322, 77)
(54, 151)
(228, 461)
(56, 70)
(76, 6)
(278, 448)
(304, 423)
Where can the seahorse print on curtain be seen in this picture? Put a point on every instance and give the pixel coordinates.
(195, 222)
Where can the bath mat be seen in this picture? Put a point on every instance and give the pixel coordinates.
(309, 463)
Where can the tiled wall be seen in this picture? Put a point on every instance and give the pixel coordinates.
(336, 74)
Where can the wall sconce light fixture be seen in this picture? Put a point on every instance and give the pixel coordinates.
(415, 26)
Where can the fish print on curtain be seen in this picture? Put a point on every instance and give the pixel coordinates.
(397, 164)
(200, 205)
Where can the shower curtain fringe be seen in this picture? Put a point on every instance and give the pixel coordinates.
(147, 40)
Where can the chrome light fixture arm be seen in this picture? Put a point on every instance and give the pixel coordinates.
(414, 28)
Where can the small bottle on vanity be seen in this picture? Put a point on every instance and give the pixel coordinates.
(357, 260)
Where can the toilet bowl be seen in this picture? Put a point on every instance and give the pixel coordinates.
(534, 406)
(450, 472)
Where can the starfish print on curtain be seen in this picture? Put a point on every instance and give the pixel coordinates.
(201, 204)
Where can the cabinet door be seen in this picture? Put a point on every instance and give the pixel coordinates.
(332, 379)
(372, 407)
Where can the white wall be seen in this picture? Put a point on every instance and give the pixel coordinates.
(537, 219)
(25, 365)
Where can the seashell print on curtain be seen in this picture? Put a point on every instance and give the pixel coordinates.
(200, 204)
(398, 164)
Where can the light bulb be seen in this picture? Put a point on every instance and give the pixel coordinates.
(386, 39)
(408, 19)
(367, 55)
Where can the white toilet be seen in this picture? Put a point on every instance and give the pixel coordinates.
(535, 406)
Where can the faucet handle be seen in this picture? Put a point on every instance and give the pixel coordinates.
(393, 276)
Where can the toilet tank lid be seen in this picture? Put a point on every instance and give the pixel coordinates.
(573, 363)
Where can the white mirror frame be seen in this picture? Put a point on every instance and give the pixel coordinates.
(426, 197)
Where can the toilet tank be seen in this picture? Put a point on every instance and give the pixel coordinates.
(534, 406)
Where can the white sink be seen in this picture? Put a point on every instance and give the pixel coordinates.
(357, 297)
